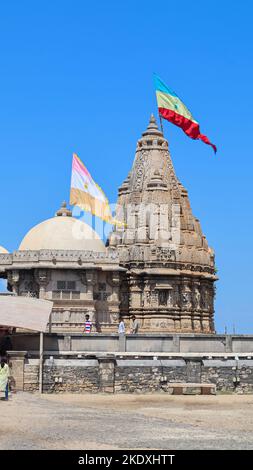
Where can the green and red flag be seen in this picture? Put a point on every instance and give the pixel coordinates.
(170, 107)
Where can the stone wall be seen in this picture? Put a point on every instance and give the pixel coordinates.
(148, 376)
(130, 375)
(229, 375)
(140, 343)
(62, 376)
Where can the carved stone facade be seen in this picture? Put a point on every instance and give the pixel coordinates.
(170, 268)
(75, 293)
(157, 266)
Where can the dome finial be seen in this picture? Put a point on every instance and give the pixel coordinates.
(152, 128)
(152, 122)
(63, 211)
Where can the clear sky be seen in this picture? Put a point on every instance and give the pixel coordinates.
(76, 76)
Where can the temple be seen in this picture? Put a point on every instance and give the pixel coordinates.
(157, 265)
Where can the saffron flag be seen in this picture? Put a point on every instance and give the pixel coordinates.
(170, 107)
(86, 194)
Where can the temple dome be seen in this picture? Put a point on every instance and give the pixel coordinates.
(62, 232)
(3, 250)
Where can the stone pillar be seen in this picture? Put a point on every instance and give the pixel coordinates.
(89, 280)
(135, 294)
(113, 304)
(42, 277)
(16, 363)
(115, 286)
(106, 374)
(13, 280)
(146, 294)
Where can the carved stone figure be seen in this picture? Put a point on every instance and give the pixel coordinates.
(197, 297)
(186, 300)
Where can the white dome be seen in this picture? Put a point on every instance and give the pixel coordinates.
(3, 250)
(62, 233)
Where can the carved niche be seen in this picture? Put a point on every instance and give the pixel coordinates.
(207, 298)
(186, 300)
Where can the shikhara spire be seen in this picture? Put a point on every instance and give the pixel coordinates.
(170, 266)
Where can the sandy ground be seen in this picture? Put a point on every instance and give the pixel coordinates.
(31, 421)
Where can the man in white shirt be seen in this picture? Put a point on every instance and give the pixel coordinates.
(121, 328)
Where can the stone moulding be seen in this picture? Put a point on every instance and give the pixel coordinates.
(55, 256)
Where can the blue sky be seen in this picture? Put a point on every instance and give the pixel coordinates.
(76, 76)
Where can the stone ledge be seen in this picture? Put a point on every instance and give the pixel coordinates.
(142, 355)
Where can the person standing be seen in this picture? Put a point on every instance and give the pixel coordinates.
(88, 324)
(134, 325)
(121, 328)
(4, 378)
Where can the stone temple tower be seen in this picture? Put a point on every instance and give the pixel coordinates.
(169, 269)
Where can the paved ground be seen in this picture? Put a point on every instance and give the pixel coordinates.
(126, 422)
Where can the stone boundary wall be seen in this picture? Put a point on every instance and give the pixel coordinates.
(62, 376)
(141, 343)
(130, 375)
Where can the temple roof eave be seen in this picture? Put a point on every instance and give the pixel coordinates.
(60, 259)
(173, 272)
(75, 267)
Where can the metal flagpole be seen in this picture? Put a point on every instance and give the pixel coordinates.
(161, 123)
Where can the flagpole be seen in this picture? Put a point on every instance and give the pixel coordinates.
(161, 123)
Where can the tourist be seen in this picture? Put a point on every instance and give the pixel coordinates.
(4, 378)
(88, 324)
(121, 329)
(134, 325)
